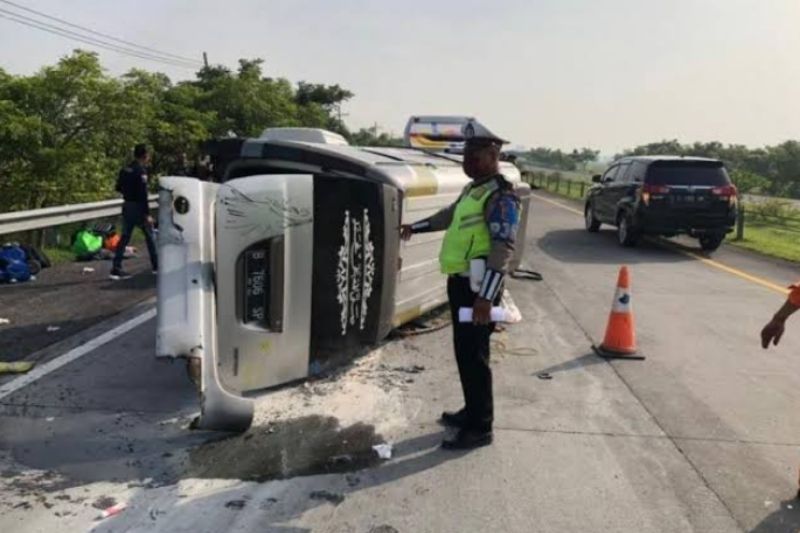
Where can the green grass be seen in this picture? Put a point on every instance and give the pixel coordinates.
(771, 239)
(566, 189)
(574, 175)
(59, 255)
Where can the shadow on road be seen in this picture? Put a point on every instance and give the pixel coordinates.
(787, 518)
(66, 300)
(579, 246)
(17, 342)
(274, 505)
(583, 361)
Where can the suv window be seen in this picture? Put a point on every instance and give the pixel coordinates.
(702, 173)
(623, 175)
(610, 174)
(637, 172)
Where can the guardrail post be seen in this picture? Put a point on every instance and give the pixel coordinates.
(569, 187)
(583, 189)
(558, 184)
(740, 223)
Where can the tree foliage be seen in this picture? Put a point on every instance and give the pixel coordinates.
(66, 130)
(556, 159)
(773, 170)
(371, 137)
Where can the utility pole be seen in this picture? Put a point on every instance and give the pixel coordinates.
(339, 112)
(205, 59)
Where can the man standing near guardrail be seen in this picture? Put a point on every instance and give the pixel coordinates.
(481, 231)
(132, 184)
(773, 331)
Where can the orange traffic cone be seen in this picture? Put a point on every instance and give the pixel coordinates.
(620, 340)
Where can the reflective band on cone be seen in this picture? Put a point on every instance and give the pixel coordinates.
(620, 338)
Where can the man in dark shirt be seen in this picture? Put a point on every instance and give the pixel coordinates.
(132, 184)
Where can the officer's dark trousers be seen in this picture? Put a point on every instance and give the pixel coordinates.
(133, 216)
(472, 355)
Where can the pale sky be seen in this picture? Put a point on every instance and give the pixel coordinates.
(560, 73)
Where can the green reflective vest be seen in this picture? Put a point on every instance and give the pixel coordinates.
(468, 235)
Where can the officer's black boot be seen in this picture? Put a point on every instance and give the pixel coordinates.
(456, 419)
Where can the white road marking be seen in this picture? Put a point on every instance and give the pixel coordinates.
(40, 371)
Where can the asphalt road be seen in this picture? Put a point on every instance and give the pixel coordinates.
(65, 300)
(699, 437)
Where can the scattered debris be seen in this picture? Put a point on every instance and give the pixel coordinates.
(767, 503)
(4, 321)
(352, 481)
(268, 503)
(17, 367)
(51, 329)
(384, 450)
(87, 270)
(342, 459)
(236, 504)
(23, 505)
(416, 369)
(383, 529)
(512, 313)
(332, 497)
(104, 502)
(544, 375)
(113, 510)
(50, 418)
(790, 506)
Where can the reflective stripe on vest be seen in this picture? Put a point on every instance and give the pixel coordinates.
(468, 235)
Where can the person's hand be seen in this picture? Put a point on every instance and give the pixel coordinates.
(772, 332)
(481, 312)
(150, 221)
(406, 232)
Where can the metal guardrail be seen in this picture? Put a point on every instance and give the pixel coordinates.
(18, 221)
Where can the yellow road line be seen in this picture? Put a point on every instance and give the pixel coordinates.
(710, 262)
(730, 270)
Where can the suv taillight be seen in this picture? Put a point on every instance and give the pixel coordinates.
(728, 192)
(650, 190)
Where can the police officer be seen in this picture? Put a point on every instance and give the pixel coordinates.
(481, 230)
(132, 183)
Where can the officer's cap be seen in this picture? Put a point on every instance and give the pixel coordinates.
(477, 134)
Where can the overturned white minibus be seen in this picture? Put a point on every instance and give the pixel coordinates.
(292, 262)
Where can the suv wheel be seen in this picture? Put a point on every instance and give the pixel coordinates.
(627, 234)
(709, 243)
(592, 224)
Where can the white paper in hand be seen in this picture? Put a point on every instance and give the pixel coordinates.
(498, 314)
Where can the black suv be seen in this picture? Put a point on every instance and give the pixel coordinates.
(664, 195)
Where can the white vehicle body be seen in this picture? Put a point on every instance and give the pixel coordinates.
(293, 263)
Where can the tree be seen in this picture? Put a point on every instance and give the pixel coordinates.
(584, 156)
(773, 170)
(371, 137)
(76, 124)
(66, 130)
